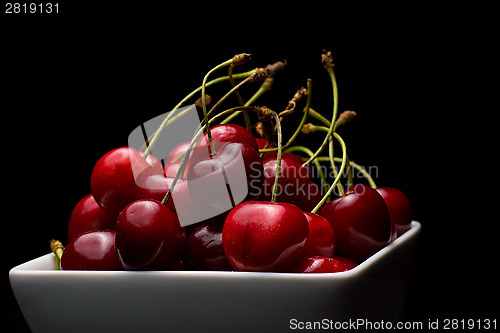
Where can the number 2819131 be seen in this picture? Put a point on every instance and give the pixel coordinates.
(31, 8)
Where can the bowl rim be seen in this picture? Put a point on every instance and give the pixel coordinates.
(25, 269)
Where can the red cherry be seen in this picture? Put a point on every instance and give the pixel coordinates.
(204, 249)
(349, 264)
(153, 163)
(148, 236)
(93, 250)
(264, 236)
(171, 169)
(321, 238)
(177, 152)
(319, 264)
(113, 178)
(88, 216)
(294, 186)
(219, 183)
(224, 133)
(361, 222)
(290, 156)
(261, 142)
(399, 209)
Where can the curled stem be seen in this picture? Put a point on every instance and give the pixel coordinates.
(173, 116)
(356, 167)
(316, 163)
(204, 102)
(337, 179)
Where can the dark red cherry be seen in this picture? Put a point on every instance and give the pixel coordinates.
(219, 183)
(321, 238)
(148, 236)
(88, 216)
(261, 142)
(399, 209)
(94, 250)
(290, 156)
(204, 249)
(113, 178)
(318, 264)
(224, 133)
(295, 185)
(361, 222)
(264, 236)
(349, 264)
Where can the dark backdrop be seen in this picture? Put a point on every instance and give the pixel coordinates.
(75, 84)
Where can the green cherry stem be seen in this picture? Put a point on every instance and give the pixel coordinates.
(278, 157)
(302, 121)
(328, 64)
(204, 102)
(248, 124)
(198, 134)
(173, 116)
(339, 175)
(259, 74)
(57, 247)
(316, 163)
(355, 166)
(264, 87)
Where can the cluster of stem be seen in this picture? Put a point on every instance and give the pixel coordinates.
(269, 125)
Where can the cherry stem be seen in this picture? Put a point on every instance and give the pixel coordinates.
(265, 86)
(171, 118)
(331, 158)
(57, 247)
(328, 64)
(302, 121)
(356, 167)
(315, 161)
(204, 102)
(199, 132)
(248, 124)
(258, 74)
(339, 175)
(278, 160)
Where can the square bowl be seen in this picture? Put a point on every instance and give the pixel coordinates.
(207, 301)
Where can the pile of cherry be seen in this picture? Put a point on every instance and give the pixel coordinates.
(126, 223)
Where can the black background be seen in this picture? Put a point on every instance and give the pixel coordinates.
(75, 84)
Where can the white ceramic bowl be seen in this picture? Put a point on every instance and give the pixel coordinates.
(186, 301)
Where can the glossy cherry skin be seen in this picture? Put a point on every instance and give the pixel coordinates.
(204, 249)
(94, 250)
(361, 222)
(177, 152)
(321, 237)
(155, 186)
(219, 183)
(148, 236)
(224, 133)
(113, 180)
(290, 156)
(399, 207)
(264, 236)
(349, 264)
(88, 216)
(319, 264)
(170, 169)
(295, 185)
